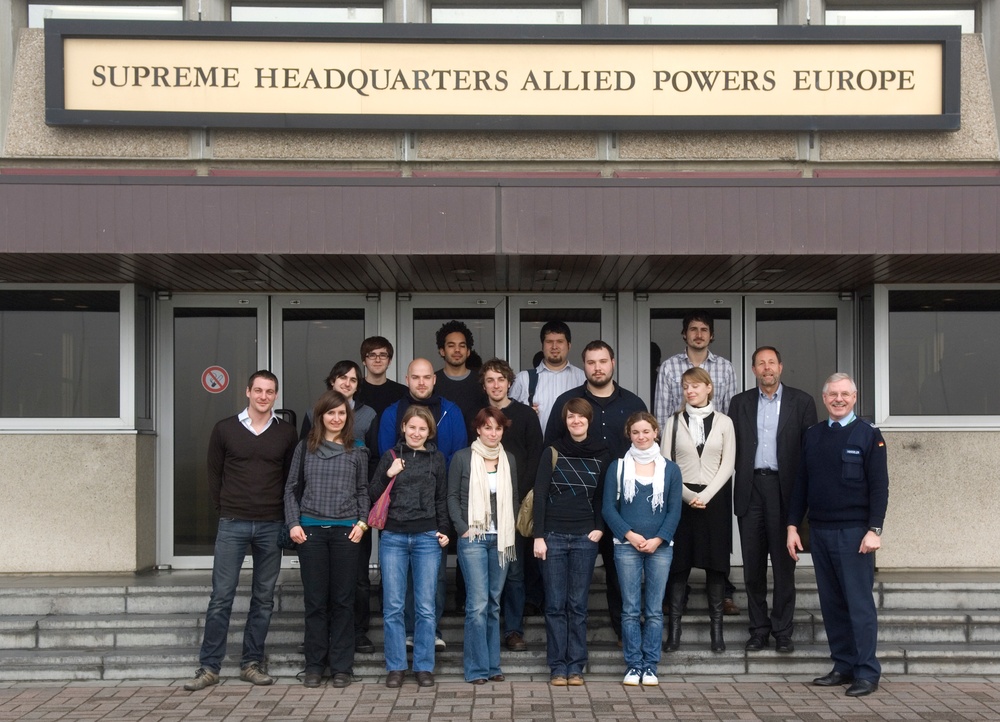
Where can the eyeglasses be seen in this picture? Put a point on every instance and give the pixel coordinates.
(377, 356)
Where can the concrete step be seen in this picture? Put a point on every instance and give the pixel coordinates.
(126, 631)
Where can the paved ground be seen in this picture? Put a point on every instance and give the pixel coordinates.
(770, 699)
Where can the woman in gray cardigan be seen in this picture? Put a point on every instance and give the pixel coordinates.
(482, 503)
(328, 522)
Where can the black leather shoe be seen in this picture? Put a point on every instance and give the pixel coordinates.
(363, 645)
(784, 645)
(756, 643)
(833, 679)
(312, 680)
(394, 679)
(425, 679)
(861, 688)
(341, 680)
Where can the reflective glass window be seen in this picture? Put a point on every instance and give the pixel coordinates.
(944, 353)
(38, 14)
(966, 17)
(506, 15)
(703, 16)
(305, 14)
(59, 354)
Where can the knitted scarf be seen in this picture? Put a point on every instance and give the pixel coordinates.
(633, 456)
(479, 499)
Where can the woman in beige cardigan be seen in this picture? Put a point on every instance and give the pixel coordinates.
(703, 443)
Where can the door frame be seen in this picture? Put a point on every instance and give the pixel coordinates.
(165, 409)
(406, 303)
(606, 302)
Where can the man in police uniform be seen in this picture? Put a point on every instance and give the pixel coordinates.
(844, 483)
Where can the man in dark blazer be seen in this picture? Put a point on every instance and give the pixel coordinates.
(770, 420)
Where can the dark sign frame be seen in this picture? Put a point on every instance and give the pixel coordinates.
(949, 37)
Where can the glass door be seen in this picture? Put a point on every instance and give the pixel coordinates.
(589, 317)
(421, 316)
(210, 345)
(814, 335)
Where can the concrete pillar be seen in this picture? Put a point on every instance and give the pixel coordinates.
(407, 11)
(13, 17)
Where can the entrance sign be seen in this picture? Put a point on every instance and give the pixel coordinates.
(215, 379)
(406, 76)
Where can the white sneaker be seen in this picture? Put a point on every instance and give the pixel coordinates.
(439, 643)
(632, 677)
(649, 678)
(409, 642)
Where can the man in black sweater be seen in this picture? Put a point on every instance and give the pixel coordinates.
(523, 439)
(249, 456)
(843, 481)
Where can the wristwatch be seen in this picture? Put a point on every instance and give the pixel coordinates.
(876, 529)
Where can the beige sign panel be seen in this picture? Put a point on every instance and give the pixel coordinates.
(501, 79)
(403, 76)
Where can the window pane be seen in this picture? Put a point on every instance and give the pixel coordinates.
(59, 354)
(308, 14)
(38, 14)
(703, 16)
(314, 340)
(665, 326)
(964, 17)
(427, 321)
(944, 353)
(513, 16)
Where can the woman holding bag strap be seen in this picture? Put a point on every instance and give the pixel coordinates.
(415, 530)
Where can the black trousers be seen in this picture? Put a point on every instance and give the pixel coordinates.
(763, 532)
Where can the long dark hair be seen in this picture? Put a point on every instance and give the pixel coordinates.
(330, 400)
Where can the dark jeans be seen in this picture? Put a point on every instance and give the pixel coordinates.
(231, 542)
(328, 560)
(513, 588)
(363, 592)
(568, 569)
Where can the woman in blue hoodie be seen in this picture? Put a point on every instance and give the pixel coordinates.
(642, 505)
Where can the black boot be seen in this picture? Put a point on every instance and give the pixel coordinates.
(716, 594)
(675, 596)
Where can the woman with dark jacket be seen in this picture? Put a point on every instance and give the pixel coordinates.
(415, 531)
(482, 499)
(328, 522)
(568, 525)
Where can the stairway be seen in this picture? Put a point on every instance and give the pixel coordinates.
(148, 626)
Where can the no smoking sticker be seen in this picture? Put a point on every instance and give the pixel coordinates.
(215, 379)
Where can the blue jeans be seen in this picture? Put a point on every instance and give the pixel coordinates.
(567, 571)
(328, 560)
(399, 556)
(484, 579)
(231, 543)
(439, 597)
(513, 588)
(641, 642)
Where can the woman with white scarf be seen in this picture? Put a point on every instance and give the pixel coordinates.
(703, 443)
(482, 503)
(642, 505)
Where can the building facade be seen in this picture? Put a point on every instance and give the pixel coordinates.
(146, 272)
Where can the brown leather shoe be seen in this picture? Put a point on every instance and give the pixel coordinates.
(497, 678)
(394, 679)
(515, 642)
(575, 680)
(729, 608)
(425, 679)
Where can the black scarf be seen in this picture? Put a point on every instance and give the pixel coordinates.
(589, 448)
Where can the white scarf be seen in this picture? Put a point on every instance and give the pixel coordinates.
(696, 421)
(479, 499)
(633, 456)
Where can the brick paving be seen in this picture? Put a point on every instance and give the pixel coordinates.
(525, 699)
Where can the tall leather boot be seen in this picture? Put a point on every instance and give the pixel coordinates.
(675, 595)
(716, 594)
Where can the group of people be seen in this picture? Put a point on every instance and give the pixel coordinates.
(651, 492)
